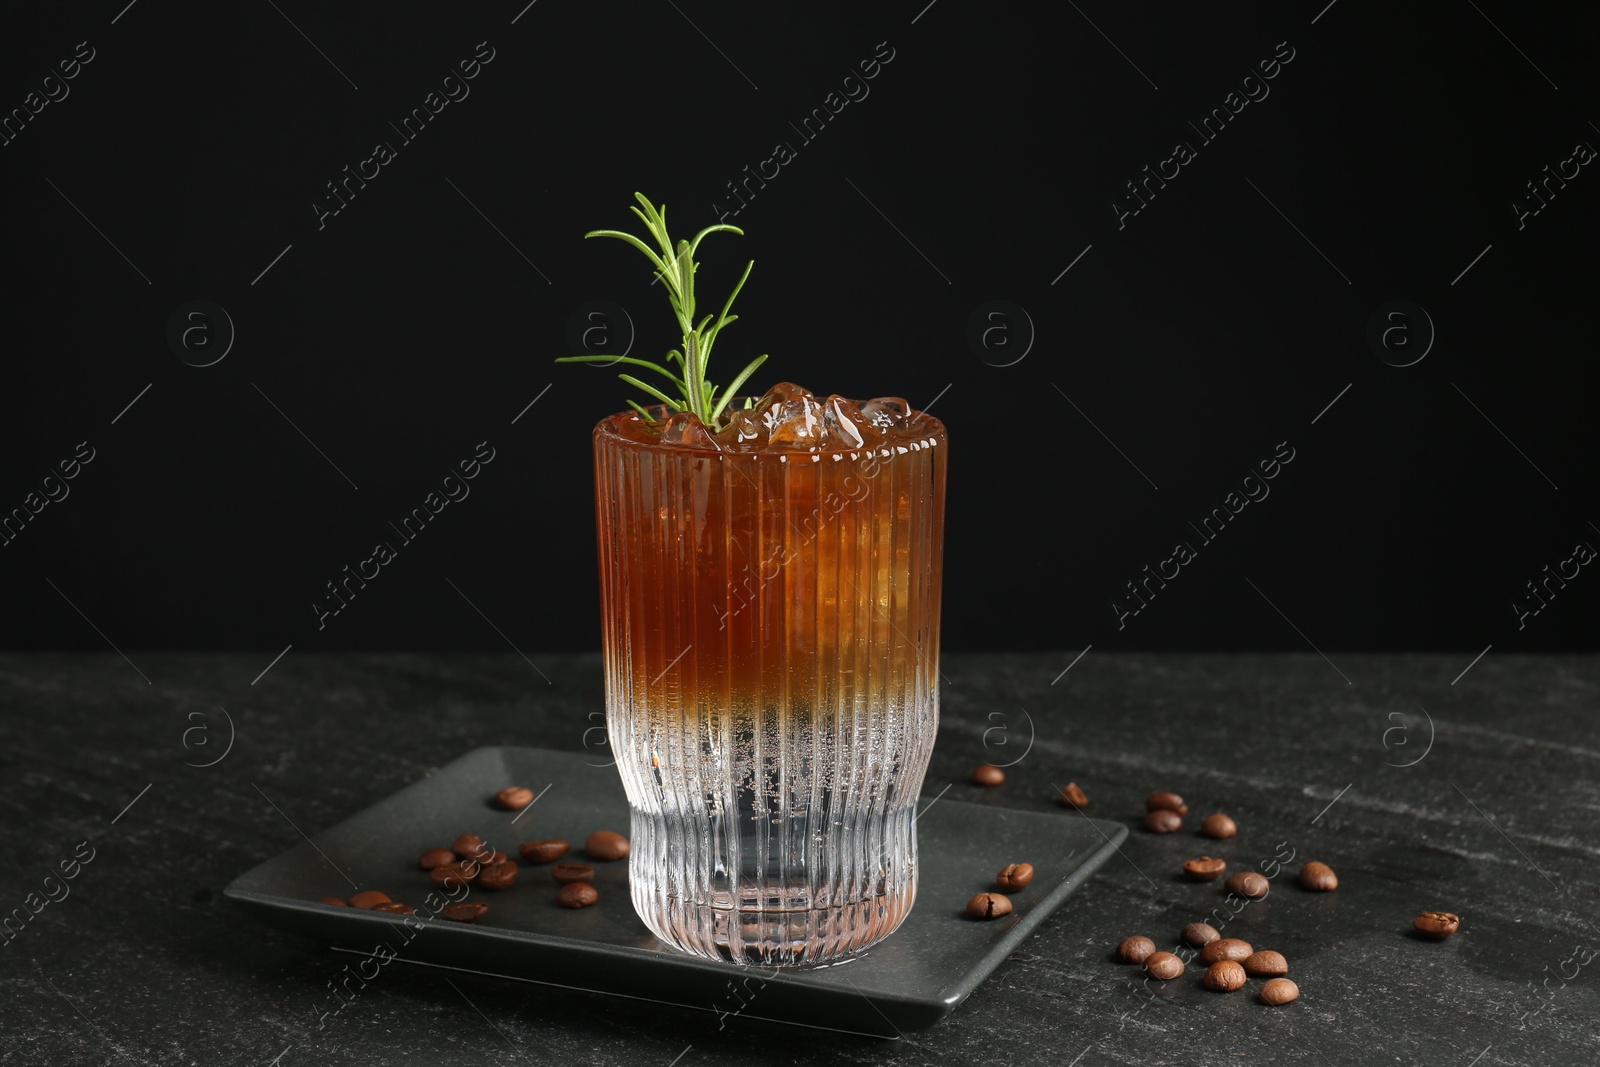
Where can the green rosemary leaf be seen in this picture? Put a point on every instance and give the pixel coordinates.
(694, 245)
(634, 241)
(686, 281)
(653, 391)
(647, 416)
(715, 332)
(654, 222)
(722, 320)
(733, 387)
(658, 368)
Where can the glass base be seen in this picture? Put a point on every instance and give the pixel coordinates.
(799, 926)
(765, 934)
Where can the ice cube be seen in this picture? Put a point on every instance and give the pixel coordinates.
(744, 432)
(797, 422)
(766, 407)
(781, 392)
(886, 412)
(847, 426)
(685, 428)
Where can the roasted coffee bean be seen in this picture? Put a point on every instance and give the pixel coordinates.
(470, 847)
(985, 774)
(1135, 949)
(436, 857)
(571, 872)
(1265, 964)
(1226, 948)
(453, 874)
(1166, 802)
(1163, 965)
(1200, 934)
(1014, 876)
(514, 797)
(1224, 976)
(1249, 884)
(543, 851)
(394, 907)
(606, 845)
(1073, 797)
(1278, 991)
(368, 898)
(1318, 877)
(1163, 821)
(495, 857)
(464, 913)
(989, 906)
(1435, 924)
(577, 895)
(497, 876)
(1204, 869)
(1218, 825)
(331, 900)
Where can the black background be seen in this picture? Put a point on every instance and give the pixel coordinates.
(1196, 338)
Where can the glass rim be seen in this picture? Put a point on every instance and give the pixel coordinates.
(931, 432)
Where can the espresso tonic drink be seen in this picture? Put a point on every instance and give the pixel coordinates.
(770, 607)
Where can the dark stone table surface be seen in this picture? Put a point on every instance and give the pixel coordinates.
(1478, 796)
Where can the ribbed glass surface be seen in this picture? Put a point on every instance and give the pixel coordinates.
(771, 637)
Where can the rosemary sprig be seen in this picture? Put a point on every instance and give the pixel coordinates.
(675, 266)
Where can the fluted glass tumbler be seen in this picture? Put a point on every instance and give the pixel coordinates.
(771, 642)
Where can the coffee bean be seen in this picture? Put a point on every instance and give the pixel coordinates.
(1163, 821)
(606, 845)
(1218, 825)
(1224, 976)
(1435, 924)
(1204, 869)
(577, 895)
(1166, 802)
(1278, 991)
(514, 797)
(543, 851)
(1249, 884)
(497, 876)
(1163, 965)
(571, 872)
(984, 774)
(464, 913)
(1227, 948)
(1318, 877)
(1200, 934)
(1073, 797)
(331, 900)
(367, 898)
(454, 874)
(1135, 949)
(470, 847)
(1265, 964)
(436, 857)
(988, 906)
(495, 857)
(394, 907)
(1014, 876)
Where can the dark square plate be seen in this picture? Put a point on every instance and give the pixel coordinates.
(908, 982)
